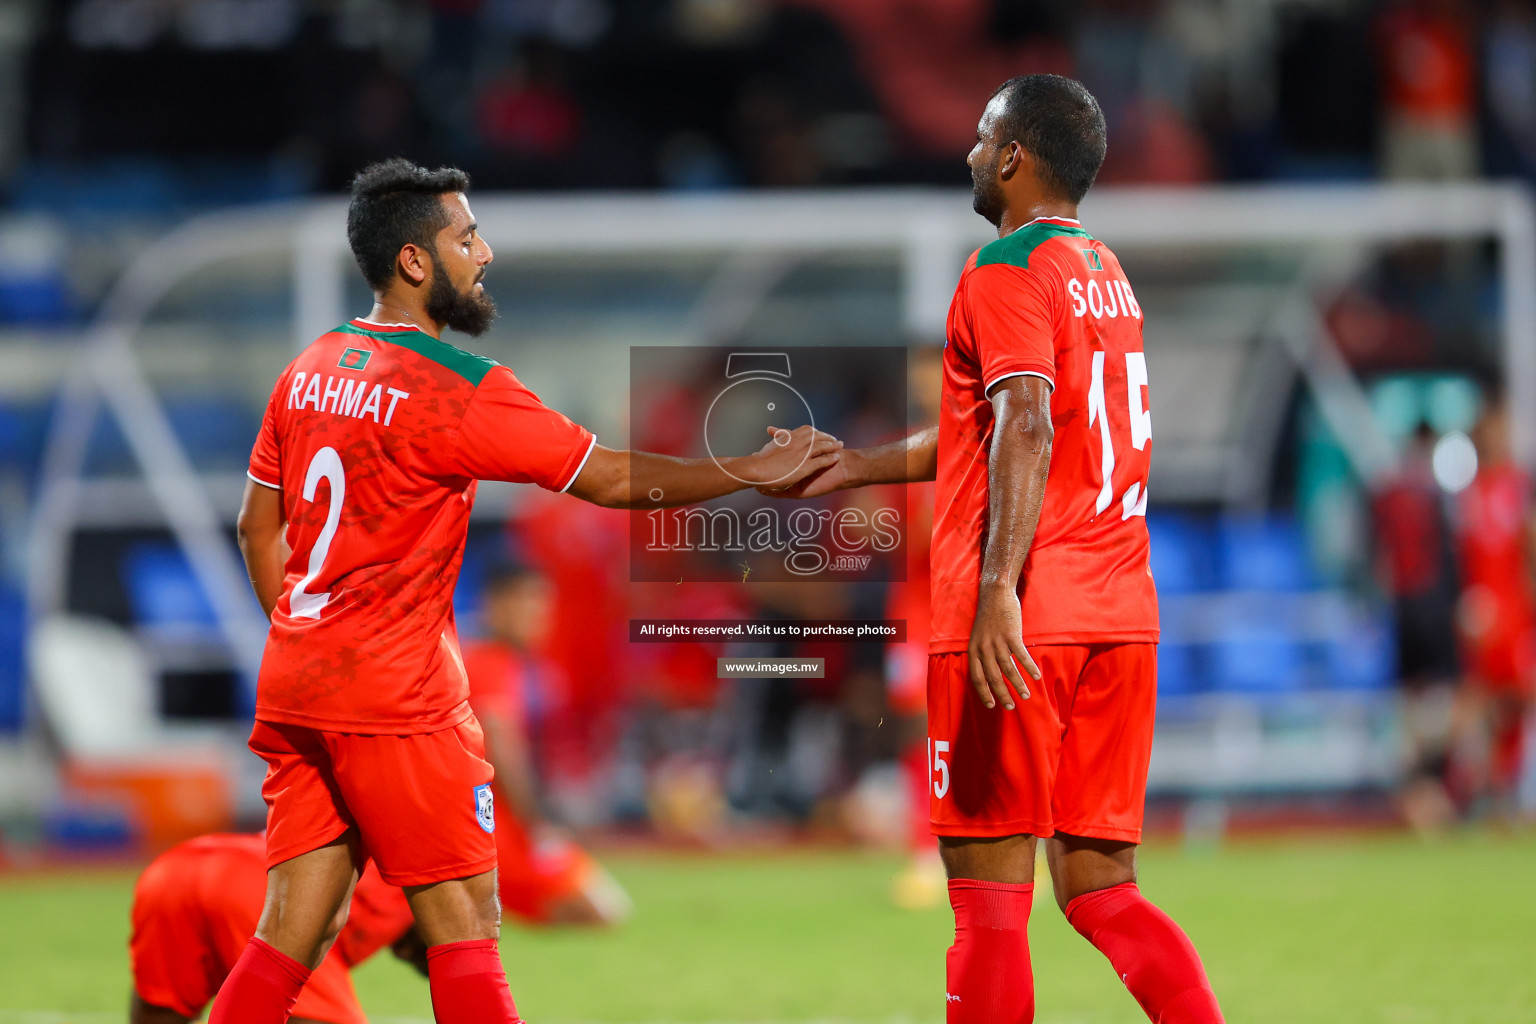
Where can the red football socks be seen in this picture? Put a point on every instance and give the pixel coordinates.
(988, 979)
(261, 989)
(469, 985)
(1150, 953)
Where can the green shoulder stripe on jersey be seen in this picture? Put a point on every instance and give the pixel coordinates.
(1015, 249)
(471, 367)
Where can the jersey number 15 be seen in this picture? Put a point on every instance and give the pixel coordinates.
(1134, 501)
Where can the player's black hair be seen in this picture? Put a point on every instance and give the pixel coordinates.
(1059, 122)
(396, 202)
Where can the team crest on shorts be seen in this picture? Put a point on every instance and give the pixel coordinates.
(485, 807)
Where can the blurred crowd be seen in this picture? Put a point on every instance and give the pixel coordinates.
(706, 94)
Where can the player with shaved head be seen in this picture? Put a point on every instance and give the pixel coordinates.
(1042, 667)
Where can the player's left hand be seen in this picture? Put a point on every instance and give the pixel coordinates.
(790, 457)
(997, 649)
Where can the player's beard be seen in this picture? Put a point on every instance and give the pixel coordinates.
(468, 312)
(987, 195)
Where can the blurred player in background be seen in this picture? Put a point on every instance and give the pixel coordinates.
(1416, 566)
(1496, 617)
(353, 528)
(1040, 539)
(543, 877)
(195, 907)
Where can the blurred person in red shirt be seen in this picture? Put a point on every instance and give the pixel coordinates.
(543, 877)
(1415, 566)
(195, 907)
(582, 552)
(1496, 615)
(1429, 91)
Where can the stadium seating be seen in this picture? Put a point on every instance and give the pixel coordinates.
(34, 288)
(1265, 553)
(217, 431)
(13, 635)
(1182, 552)
(164, 593)
(23, 428)
(97, 692)
(1178, 673)
(1258, 658)
(1243, 613)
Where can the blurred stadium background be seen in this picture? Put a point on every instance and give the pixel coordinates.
(1325, 206)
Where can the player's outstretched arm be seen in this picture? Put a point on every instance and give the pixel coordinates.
(630, 479)
(1017, 467)
(260, 531)
(912, 459)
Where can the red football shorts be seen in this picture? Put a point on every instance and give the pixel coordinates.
(1072, 758)
(536, 876)
(421, 803)
(193, 911)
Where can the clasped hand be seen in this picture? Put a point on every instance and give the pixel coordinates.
(789, 457)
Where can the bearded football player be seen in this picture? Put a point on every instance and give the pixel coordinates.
(1042, 666)
(353, 528)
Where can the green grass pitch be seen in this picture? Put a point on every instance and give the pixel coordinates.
(1356, 930)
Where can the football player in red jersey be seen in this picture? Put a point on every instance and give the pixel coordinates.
(195, 906)
(353, 528)
(543, 876)
(1042, 664)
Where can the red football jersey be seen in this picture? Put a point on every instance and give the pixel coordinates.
(1498, 606)
(496, 682)
(1051, 301)
(1492, 515)
(376, 435)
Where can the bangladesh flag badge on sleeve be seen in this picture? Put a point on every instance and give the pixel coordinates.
(354, 359)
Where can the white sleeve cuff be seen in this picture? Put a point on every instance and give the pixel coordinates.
(1017, 373)
(580, 465)
(259, 480)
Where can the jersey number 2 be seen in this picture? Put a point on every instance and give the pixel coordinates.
(326, 465)
(1134, 501)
